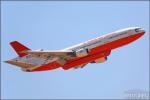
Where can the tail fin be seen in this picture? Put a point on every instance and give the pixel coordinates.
(18, 47)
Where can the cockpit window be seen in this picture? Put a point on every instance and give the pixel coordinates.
(137, 29)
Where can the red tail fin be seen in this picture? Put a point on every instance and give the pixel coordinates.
(18, 47)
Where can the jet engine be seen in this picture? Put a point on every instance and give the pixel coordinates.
(100, 60)
(82, 52)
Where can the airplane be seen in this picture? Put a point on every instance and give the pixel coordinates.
(92, 51)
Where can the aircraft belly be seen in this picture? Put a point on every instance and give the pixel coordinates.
(87, 59)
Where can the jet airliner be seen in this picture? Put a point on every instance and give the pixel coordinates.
(92, 51)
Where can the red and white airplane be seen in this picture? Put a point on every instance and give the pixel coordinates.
(92, 51)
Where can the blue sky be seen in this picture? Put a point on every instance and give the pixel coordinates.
(57, 25)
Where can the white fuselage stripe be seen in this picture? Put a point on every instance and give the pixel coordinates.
(102, 40)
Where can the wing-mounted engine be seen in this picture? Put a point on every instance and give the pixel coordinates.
(82, 52)
(80, 66)
(100, 60)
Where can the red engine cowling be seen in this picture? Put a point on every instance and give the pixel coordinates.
(100, 60)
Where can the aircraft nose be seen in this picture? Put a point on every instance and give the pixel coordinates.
(139, 30)
(142, 30)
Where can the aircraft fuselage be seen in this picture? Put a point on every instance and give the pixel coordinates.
(92, 51)
(100, 47)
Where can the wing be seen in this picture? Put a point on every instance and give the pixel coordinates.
(30, 63)
(62, 56)
(21, 64)
(25, 66)
(44, 54)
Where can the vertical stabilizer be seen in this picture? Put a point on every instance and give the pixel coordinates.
(18, 47)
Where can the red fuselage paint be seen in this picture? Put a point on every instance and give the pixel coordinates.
(95, 53)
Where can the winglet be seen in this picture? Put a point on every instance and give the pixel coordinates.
(18, 47)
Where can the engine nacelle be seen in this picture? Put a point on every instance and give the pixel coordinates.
(100, 60)
(25, 70)
(82, 52)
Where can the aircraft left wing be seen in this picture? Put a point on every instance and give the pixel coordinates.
(55, 53)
